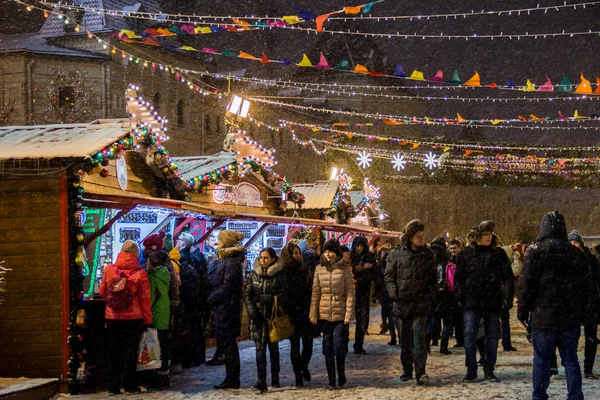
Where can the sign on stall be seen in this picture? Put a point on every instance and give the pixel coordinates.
(243, 194)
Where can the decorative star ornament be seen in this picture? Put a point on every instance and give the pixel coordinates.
(431, 160)
(364, 159)
(398, 162)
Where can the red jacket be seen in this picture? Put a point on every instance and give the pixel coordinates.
(137, 283)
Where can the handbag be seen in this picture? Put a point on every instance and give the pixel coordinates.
(280, 325)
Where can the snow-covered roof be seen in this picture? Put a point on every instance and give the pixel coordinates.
(34, 43)
(60, 141)
(318, 195)
(191, 167)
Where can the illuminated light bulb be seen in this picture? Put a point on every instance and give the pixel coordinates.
(77, 28)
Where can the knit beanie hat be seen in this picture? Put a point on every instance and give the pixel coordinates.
(131, 247)
(332, 245)
(187, 238)
(574, 235)
(154, 242)
(229, 238)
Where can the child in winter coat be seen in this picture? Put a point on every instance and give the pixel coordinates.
(126, 289)
(160, 282)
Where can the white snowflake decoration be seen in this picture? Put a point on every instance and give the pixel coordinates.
(398, 162)
(431, 160)
(364, 159)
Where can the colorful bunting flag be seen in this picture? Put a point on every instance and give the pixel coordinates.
(510, 83)
(353, 10)
(203, 29)
(343, 65)
(474, 81)
(528, 87)
(565, 85)
(322, 18)
(305, 62)
(584, 87)
(188, 48)
(546, 87)
(367, 7)
(597, 91)
(305, 15)
(399, 71)
(439, 77)
(292, 19)
(417, 75)
(265, 59)
(361, 69)
(323, 64)
(243, 54)
(455, 78)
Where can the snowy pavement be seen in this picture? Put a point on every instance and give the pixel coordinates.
(375, 375)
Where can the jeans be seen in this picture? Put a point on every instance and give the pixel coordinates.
(505, 318)
(591, 333)
(334, 347)
(362, 319)
(123, 340)
(300, 360)
(446, 332)
(261, 359)
(231, 351)
(492, 329)
(544, 344)
(413, 343)
(434, 327)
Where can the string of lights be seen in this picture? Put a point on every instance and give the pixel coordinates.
(407, 120)
(418, 17)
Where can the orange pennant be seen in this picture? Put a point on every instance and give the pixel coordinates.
(584, 87)
(243, 54)
(534, 118)
(353, 10)
(361, 69)
(461, 120)
(597, 86)
(415, 145)
(322, 18)
(349, 135)
(245, 25)
(474, 81)
(522, 118)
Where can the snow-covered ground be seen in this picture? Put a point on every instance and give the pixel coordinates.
(375, 376)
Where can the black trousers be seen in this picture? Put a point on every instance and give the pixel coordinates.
(334, 347)
(231, 351)
(195, 348)
(448, 323)
(261, 359)
(123, 340)
(459, 332)
(362, 319)
(505, 320)
(591, 333)
(301, 359)
(163, 339)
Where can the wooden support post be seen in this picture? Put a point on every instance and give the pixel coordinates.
(106, 226)
(259, 232)
(291, 233)
(217, 224)
(179, 227)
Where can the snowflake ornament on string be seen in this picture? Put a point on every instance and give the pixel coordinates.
(364, 159)
(399, 162)
(431, 160)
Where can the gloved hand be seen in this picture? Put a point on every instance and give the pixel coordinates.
(523, 317)
(266, 299)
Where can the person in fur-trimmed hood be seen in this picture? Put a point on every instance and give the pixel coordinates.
(226, 297)
(265, 286)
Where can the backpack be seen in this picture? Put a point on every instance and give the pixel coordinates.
(118, 296)
(450, 271)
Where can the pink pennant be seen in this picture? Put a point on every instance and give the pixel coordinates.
(562, 116)
(546, 87)
(277, 24)
(188, 28)
(439, 77)
(323, 64)
(210, 50)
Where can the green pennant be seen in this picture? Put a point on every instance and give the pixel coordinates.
(176, 30)
(343, 65)
(455, 78)
(565, 85)
(228, 53)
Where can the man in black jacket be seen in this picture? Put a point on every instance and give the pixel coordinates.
(363, 263)
(410, 278)
(484, 287)
(554, 292)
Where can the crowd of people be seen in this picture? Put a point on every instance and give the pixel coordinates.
(428, 292)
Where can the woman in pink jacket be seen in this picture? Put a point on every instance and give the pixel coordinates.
(126, 288)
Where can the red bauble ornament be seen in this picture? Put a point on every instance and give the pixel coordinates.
(81, 172)
(104, 173)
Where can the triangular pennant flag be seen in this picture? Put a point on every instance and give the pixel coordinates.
(455, 78)
(189, 29)
(263, 24)
(492, 86)
(535, 118)
(415, 145)
(417, 75)
(128, 34)
(361, 69)
(597, 91)
(367, 7)
(292, 19)
(562, 116)
(243, 54)
(228, 53)
(349, 135)
(377, 74)
(305, 62)
(188, 48)
(209, 50)
(265, 59)
(510, 83)
(176, 30)
(151, 42)
(399, 71)
(522, 118)
(353, 10)
(547, 87)
(322, 18)
(343, 65)
(323, 64)
(439, 77)
(245, 25)
(460, 119)
(165, 32)
(305, 15)
(584, 87)
(474, 81)
(577, 116)
(286, 61)
(216, 28)
(203, 30)
(497, 121)
(151, 32)
(565, 85)
(528, 87)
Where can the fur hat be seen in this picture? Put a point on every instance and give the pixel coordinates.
(154, 242)
(332, 245)
(411, 229)
(131, 247)
(187, 238)
(574, 235)
(486, 226)
(159, 258)
(229, 238)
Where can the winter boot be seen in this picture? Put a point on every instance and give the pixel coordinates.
(341, 370)
(299, 381)
(330, 364)
(306, 374)
(275, 380)
(261, 385)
